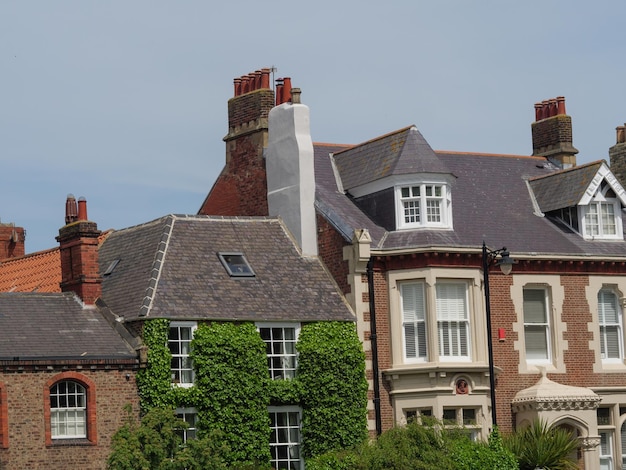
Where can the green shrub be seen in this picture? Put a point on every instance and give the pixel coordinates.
(543, 446)
(419, 447)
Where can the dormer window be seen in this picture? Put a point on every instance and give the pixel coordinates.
(423, 205)
(602, 215)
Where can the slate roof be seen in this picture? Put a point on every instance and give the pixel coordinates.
(564, 188)
(57, 326)
(492, 200)
(36, 272)
(401, 152)
(169, 268)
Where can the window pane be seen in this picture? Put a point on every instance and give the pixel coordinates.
(285, 439)
(608, 219)
(413, 318)
(67, 410)
(609, 318)
(452, 316)
(535, 306)
(536, 342)
(281, 351)
(179, 344)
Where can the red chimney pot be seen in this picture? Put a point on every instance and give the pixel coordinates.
(286, 90)
(82, 208)
(538, 112)
(265, 78)
(560, 104)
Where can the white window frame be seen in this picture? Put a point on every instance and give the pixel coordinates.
(282, 356)
(595, 220)
(545, 326)
(605, 449)
(288, 436)
(604, 325)
(428, 210)
(190, 416)
(414, 321)
(68, 419)
(450, 324)
(183, 356)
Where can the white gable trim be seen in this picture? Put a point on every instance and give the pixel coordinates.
(604, 173)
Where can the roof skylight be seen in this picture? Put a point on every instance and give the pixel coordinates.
(236, 264)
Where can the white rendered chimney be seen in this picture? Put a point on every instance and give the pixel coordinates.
(290, 171)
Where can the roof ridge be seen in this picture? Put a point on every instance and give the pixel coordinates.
(155, 273)
(486, 154)
(568, 170)
(380, 137)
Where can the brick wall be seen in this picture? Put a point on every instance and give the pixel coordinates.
(79, 260)
(11, 241)
(26, 425)
(241, 188)
(330, 250)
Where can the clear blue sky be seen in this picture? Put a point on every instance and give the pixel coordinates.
(124, 102)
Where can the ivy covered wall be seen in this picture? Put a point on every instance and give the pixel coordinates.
(233, 389)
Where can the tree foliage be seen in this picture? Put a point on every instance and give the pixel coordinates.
(156, 443)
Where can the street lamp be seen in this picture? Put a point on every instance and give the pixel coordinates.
(499, 258)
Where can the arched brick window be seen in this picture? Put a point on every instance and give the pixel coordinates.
(4, 417)
(70, 409)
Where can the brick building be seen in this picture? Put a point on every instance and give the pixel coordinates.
(68, 370)
(73, 325)
(405, 231)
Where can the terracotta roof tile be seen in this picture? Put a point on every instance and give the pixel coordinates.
(35, 272)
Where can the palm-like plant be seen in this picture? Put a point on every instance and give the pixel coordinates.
(543, 446)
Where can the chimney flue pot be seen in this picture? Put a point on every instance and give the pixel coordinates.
(286, 89)
(295, 95)
(71, 210)
(279, 91)
(560, 105)
(265, 78)
(82, 208)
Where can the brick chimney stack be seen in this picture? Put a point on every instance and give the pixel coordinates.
(552, 133)
(11, 241)
(617, 155)
(78, 241)
(241, 188)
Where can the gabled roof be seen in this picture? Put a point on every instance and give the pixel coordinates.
(35, 272)
(169, 268)
(573, 186)
(491, 200)
(56, 326)
(402, 152)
